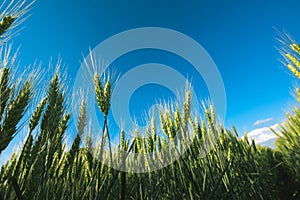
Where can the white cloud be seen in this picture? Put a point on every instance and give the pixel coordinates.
(264, 134)
(259, 122)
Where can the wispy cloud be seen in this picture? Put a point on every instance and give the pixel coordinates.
(264, 134)
(263, 121)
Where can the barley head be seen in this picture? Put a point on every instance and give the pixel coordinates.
(294, 70)
(5, 91)
(81, 119)
(293, 59)
(37, 114)
(107, 96)
(177, 119)
(296, 48)
(122, 139)
(15, 112)
(5, 23)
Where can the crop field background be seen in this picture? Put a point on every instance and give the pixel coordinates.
(186, 154)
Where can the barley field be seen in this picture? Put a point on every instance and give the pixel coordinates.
(43, 168)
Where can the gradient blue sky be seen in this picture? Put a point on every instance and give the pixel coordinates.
(238, 35)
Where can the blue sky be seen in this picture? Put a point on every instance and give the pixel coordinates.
(239, 36)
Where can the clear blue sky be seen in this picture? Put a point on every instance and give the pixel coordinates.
(238, 35)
